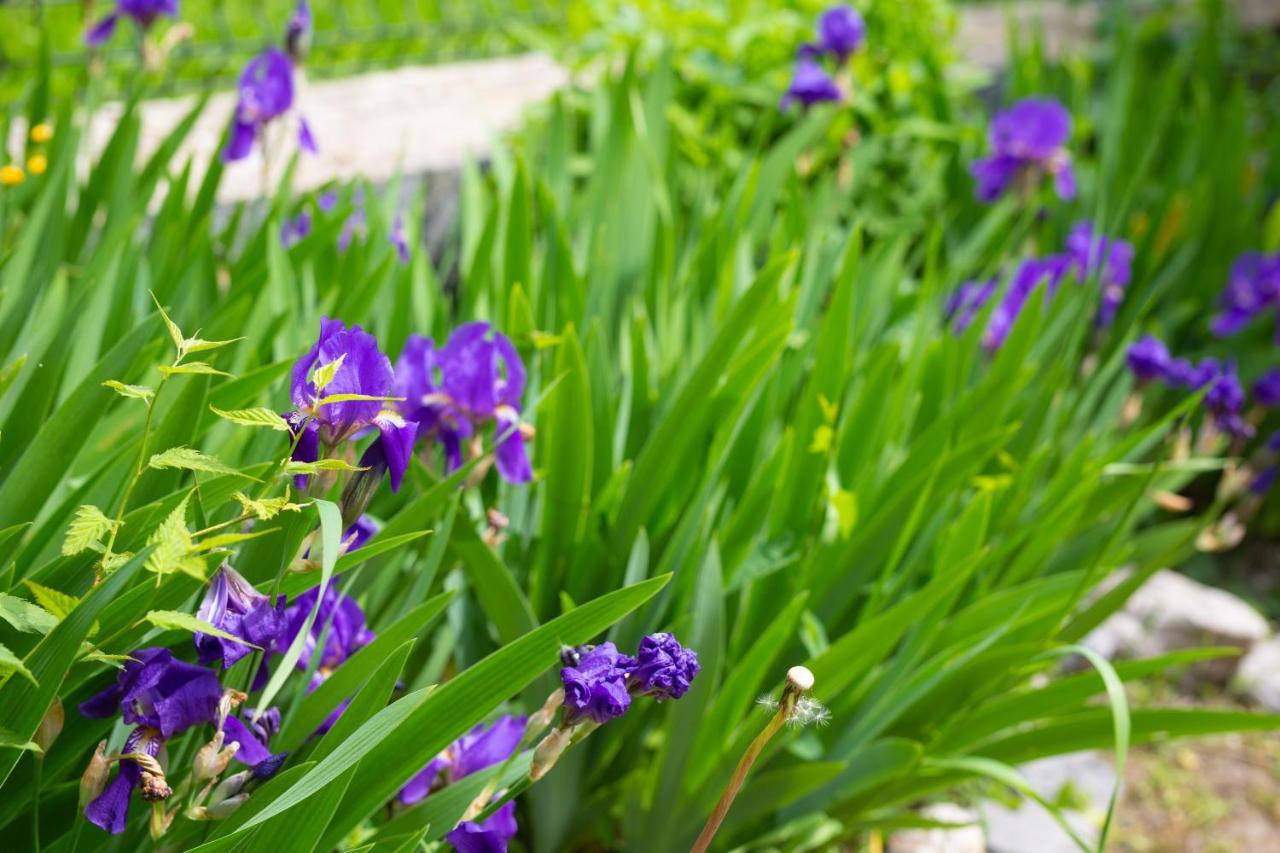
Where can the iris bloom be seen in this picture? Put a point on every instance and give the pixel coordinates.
(841, 31)
(1267, 389)
(1027, 140)
(160, 692)
(361, 369)
(1252, 288)
(488, 837)
(143, 13)
(664, 668)
(297, 34)
(266, 93)
(963, 305)
(810, 84)
(1028, 276)
(252, 736)
(110, 809)
(1148, 358)
(596, 688)
(476, 378)
(483, 746)
(347, 633)
(163, 697)
(1111, 260)
(1225, 401)
(231, 604)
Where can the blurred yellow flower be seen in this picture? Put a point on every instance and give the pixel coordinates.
(37, 163)
(11, 175)
(41, 133)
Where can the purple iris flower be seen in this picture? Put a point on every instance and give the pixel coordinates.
(1264, 480)
(1253, 286)
(476, 378)
(810, 85)
(841, 31)
(1028, 139)
(363, 370)
(664, 668)
(483, 746)
(1148, 358)
(963, 305)
(266, 92)
(294, 230)
(359, 532)
(297, 33)
(1267, 389)
(399, 241)
(1029, 275)
(347, 634)
(1183, 374)
(143, 13)
(488, 837)
(110, 809)
(231, 604)
(253, 737)
(345, 621)
(596, 689)
(327, 201)
(1225, 400)
(1110, 259)
(160, 692)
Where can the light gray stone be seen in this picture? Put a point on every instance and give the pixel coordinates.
(1030, 829)
(957, 839)
(1258, 675)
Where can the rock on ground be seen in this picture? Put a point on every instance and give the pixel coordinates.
(1258, 676)
(959, 839)
(1171, 612)
(1030, 829)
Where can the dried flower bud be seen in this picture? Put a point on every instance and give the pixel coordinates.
(542, 718)
(231, 786)
(51, 725)
(161, 820)
(1172, 501)
(95, 775)
(225, 808)
(211, 759)
(231, 699)
(548, 752)
(155, 787)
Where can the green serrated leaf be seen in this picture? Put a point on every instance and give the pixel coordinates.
(198, 345)
(170, 620)
(174, 332)
(26, 616)
(171, 541)
(325, 373)
(57, 603)
(192, 367)
(293, 468)
(190, 459)
(266, 508)
(257, 417)
(135, 392)
(11, 663)
(88, 526)
(222, 540)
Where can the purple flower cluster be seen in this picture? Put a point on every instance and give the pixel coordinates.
(1088, 255)
(599, 685)
(451, 392)
(1150, 361)
(840, 32)
(164, 697)
(142, 12)
(482, 747)
(298, 227)
(1027, 141)
(1253, 288)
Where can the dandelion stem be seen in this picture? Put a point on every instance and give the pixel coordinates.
(799, 681)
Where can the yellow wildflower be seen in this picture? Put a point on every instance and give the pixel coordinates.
(41, 133)
(11, 175)
(37, 164)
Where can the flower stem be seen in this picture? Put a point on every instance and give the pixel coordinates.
(35, 805)
(799, 682)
